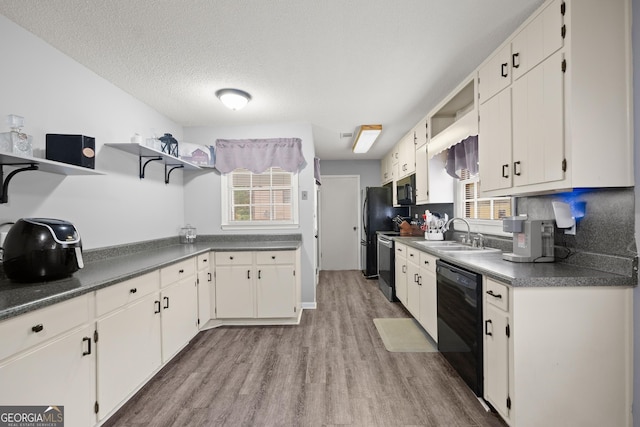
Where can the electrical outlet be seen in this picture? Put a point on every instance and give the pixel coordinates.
(305, 195)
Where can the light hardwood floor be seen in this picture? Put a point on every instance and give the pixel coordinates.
(332, 369)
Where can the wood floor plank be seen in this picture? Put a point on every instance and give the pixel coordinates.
(332, 369)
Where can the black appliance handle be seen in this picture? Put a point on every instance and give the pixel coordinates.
(364, 212)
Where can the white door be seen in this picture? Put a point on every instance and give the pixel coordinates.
(340, 222)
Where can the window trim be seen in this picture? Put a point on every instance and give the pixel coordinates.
(487, 226)
(225, 224)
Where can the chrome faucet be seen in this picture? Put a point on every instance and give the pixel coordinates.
(446, 226)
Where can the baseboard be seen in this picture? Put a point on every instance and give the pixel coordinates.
(309, 305)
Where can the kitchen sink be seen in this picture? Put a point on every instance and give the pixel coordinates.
(439, 243)
(450, 246)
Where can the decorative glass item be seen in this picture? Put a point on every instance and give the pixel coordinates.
(188, 234)
(169, 145)
(16, 142)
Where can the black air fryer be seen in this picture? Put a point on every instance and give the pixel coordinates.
(40, 249)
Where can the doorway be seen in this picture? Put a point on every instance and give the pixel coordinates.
(340, 222)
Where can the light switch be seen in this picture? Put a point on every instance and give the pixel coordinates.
(304, 195)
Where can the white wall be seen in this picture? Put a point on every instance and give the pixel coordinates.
(55, 94)
(369, 170)
(202, 190)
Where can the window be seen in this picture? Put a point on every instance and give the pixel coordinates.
(481, 209)
(260, 200)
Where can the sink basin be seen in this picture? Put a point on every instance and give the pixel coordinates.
(439, 243)
(463, 248)
(450, 246)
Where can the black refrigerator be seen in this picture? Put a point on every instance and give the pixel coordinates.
(377, 215)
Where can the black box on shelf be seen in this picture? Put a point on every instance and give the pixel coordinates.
(79, 150)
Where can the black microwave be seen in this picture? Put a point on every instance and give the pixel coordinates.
(406, 195)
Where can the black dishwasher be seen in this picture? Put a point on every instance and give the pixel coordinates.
(460, 322)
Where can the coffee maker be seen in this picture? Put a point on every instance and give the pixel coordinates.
(532, 239)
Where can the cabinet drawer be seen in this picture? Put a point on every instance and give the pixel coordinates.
(177, 272)
(36, 327)
(497, 294)
(413, 255)
(234, 258)
(116, 296)
(275, 257)
(428, 261)
(203, 261)
(400, 250)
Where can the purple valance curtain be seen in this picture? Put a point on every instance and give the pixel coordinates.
(463, 155)
(258, 155)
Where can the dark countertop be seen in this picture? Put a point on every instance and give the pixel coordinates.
(17, 298)
(525, 274)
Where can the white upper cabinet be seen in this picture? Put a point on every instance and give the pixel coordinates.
(495, 74)
(407, 155)
(550, 119)
(538, 40)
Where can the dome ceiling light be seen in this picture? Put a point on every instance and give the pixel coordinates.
(233, 99)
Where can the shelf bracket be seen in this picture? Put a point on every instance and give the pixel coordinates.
(172, 168)
(143, 167)
(4, 196)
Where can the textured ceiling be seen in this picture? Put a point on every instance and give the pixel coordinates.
(335, 64)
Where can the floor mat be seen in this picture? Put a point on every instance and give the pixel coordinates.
(404, 335)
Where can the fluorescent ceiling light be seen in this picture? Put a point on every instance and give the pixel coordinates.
(234, 99)
(367, 134)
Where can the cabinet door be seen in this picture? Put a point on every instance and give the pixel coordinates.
(538, 131)
(130, 351)
(407, 161)
(234, 292)
(495, 75)
(494, 147)
(429, 302)
(496, 343)
(275, 288)
(62, 372)
(413, 289)
(179, 316)
(537, 41)
(422, 175)
(204, 296)
(401, 273)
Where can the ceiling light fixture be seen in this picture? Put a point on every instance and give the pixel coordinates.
(233, 99)
(365, 137)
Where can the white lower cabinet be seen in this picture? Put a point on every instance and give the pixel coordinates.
(413, 282)
(140, 326)
(205, 288)
(129, 350)
(275, 291)
(179, 302)
(559, 355)
(59, 373)
(91, 353)
(179, 316)
(235, 297)
(256, 285)
(496, 347)
(416, 288)
(401, 272)
(428, 295)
